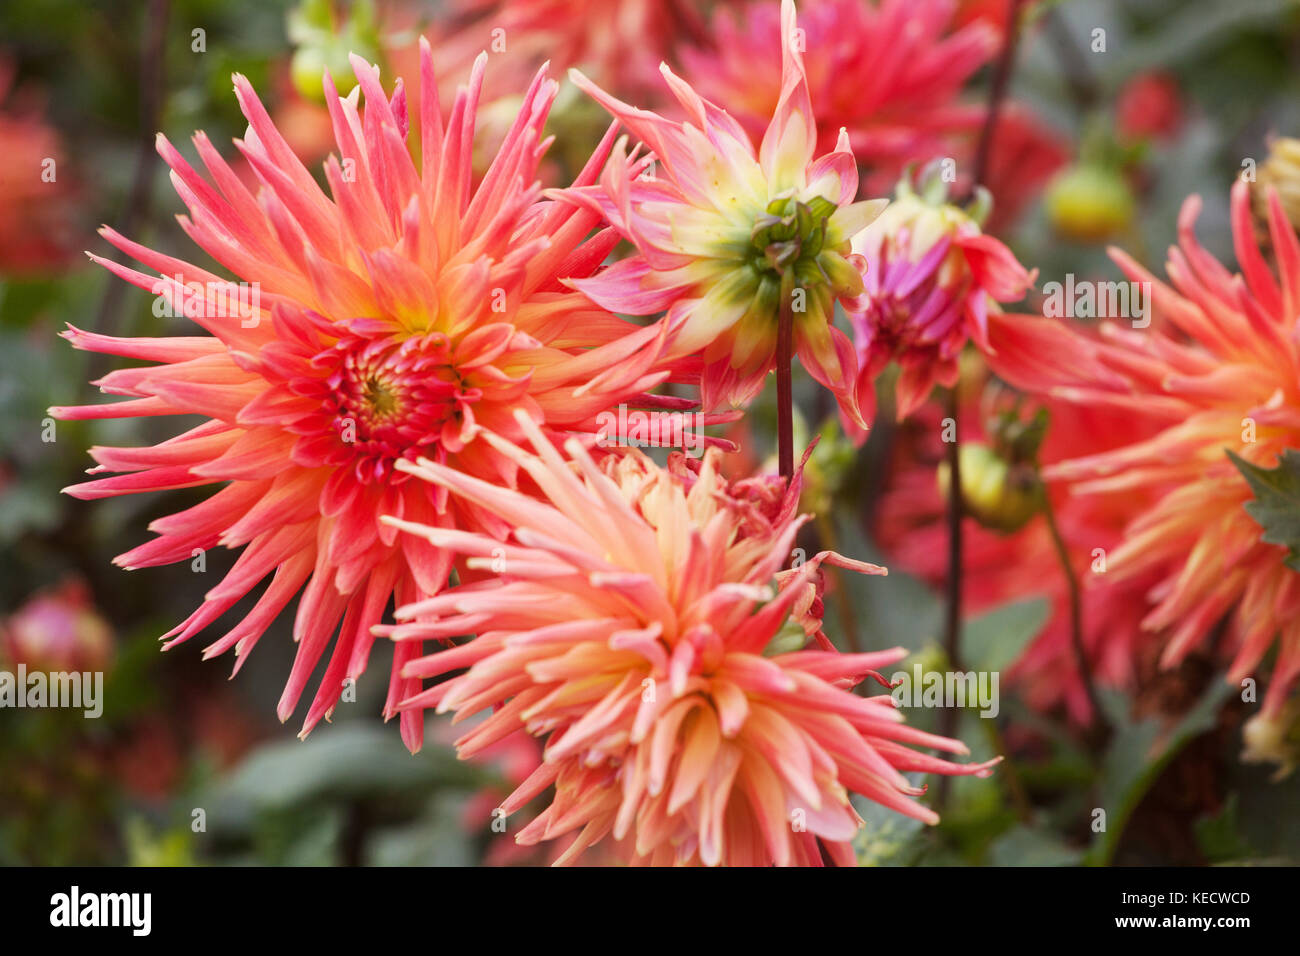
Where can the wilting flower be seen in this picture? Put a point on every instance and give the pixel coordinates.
(933, 281)
(58, 630)
(889, 73)
(693, 710)
(1217, 370)
(727, 239)
(399, 318)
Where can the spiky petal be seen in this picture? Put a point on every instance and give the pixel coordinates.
(642, 623)
(400, 316)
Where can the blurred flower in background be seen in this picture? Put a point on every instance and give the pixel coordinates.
(36, 211)
(58, 630)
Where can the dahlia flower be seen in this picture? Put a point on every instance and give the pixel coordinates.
(933, 281)
(727, 239)
(641, 622)
(1218, 369)
(400, 318)
(888, 72)
(620, 41)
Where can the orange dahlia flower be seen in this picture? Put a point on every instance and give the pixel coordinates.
(641, 622)
(400, 316)
(1218, 370)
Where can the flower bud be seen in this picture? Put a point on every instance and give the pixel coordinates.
(1089, 203)
(58, 630)
(1274, 738)
(1281, 172)
(996, 493)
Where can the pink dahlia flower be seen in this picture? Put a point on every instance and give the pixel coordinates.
(620, 41)
(933, 281)
(1218, 369)
(400, 316)
(641, 622)
(890, 73)
(726, 238)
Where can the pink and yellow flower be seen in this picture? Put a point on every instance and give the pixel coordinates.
(641, 622)
(1218, 369)
(400, 316)
(933, 282)
(726, 239)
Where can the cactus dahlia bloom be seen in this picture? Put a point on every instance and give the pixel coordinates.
(933, 281)
(890, 73)
(400, 318)
(1219, 369)
(692, 709)
(726, 239)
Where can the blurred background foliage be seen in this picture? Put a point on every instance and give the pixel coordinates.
(185, 767)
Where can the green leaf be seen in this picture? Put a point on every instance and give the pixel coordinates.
(1219, 836)
(1277, 501)
(1031, 846)
(1139, 753)
(888, 838)
(995, 639)
(345, 761)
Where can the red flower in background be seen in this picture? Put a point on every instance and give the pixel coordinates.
(888, 73)
(36, 233)
(1150, 106)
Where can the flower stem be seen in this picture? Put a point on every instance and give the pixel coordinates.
(952, 609)
(784, 394)
(1076, 615)
(997, 93)
(138, 200)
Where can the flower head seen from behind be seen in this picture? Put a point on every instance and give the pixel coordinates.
(399, 316)
(727, 239)
(641, 621)
(933, 282)
(1218, 369)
